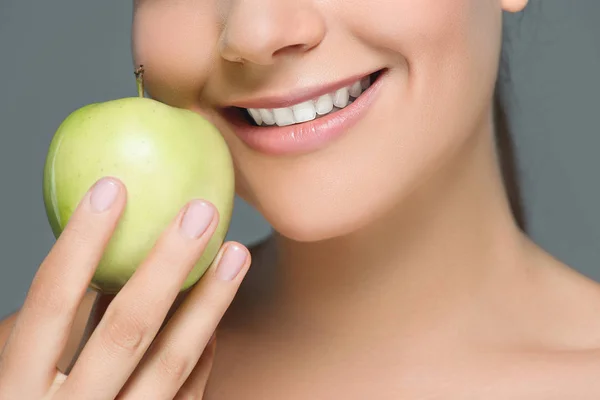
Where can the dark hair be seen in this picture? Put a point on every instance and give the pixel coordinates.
(504, 139)
(508, 160)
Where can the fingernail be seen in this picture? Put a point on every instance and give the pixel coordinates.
(231, 263)
(196, 219)
(104, 194)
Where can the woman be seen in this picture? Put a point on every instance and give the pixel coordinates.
(363, 132)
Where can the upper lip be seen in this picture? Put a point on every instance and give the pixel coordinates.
(296, 95)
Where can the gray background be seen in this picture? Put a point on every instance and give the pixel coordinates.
(56, 56)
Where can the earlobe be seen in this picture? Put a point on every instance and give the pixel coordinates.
(513, 5)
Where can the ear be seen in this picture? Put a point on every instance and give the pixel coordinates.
(513, 5)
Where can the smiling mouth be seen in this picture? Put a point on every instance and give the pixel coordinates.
(319, 107)
(308, 119)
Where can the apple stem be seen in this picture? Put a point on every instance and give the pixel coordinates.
(139, 77)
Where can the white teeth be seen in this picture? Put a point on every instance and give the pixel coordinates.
(355, 89)
(255, 114)
(267, 116)
(304, 112)
(341, 97)
(312, 109)
(324, 104)
(283, 116)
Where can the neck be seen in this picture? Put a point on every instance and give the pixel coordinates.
(453, 240)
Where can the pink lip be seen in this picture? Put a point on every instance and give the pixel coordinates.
(308, 136)
(300, 95)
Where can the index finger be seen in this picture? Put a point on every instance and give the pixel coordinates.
(44, 322)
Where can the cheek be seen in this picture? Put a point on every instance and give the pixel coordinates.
(176, 45)
(412, 27)
(439, 42)
(448, 51)
(405, 26)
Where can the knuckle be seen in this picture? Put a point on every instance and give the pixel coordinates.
(213, 302)
(168, 244)
(124, 333)
(79, 231)
(167, 253)
(215, 299)
(173, 366)
(170, 256)
(72, 244)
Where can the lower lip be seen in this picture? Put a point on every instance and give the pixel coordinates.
(308, 136)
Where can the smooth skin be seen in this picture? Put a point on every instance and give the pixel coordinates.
(396, 270)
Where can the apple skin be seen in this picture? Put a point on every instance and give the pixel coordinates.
(165, 156)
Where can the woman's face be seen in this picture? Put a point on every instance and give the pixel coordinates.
(432, 66)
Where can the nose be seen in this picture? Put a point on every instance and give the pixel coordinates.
(261, 31)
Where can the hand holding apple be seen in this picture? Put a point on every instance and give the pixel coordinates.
(164, 155)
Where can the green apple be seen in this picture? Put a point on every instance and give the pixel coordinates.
(165, 156)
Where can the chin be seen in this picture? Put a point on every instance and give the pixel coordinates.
(316, 220)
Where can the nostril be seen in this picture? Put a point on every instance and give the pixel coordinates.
(295, 48)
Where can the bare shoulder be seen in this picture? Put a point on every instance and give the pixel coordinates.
(563, 375)
(563, 305)
(568, 362)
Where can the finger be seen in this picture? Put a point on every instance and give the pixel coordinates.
(179, 346)
(134, 316)
(195, 386)
(44, 322)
